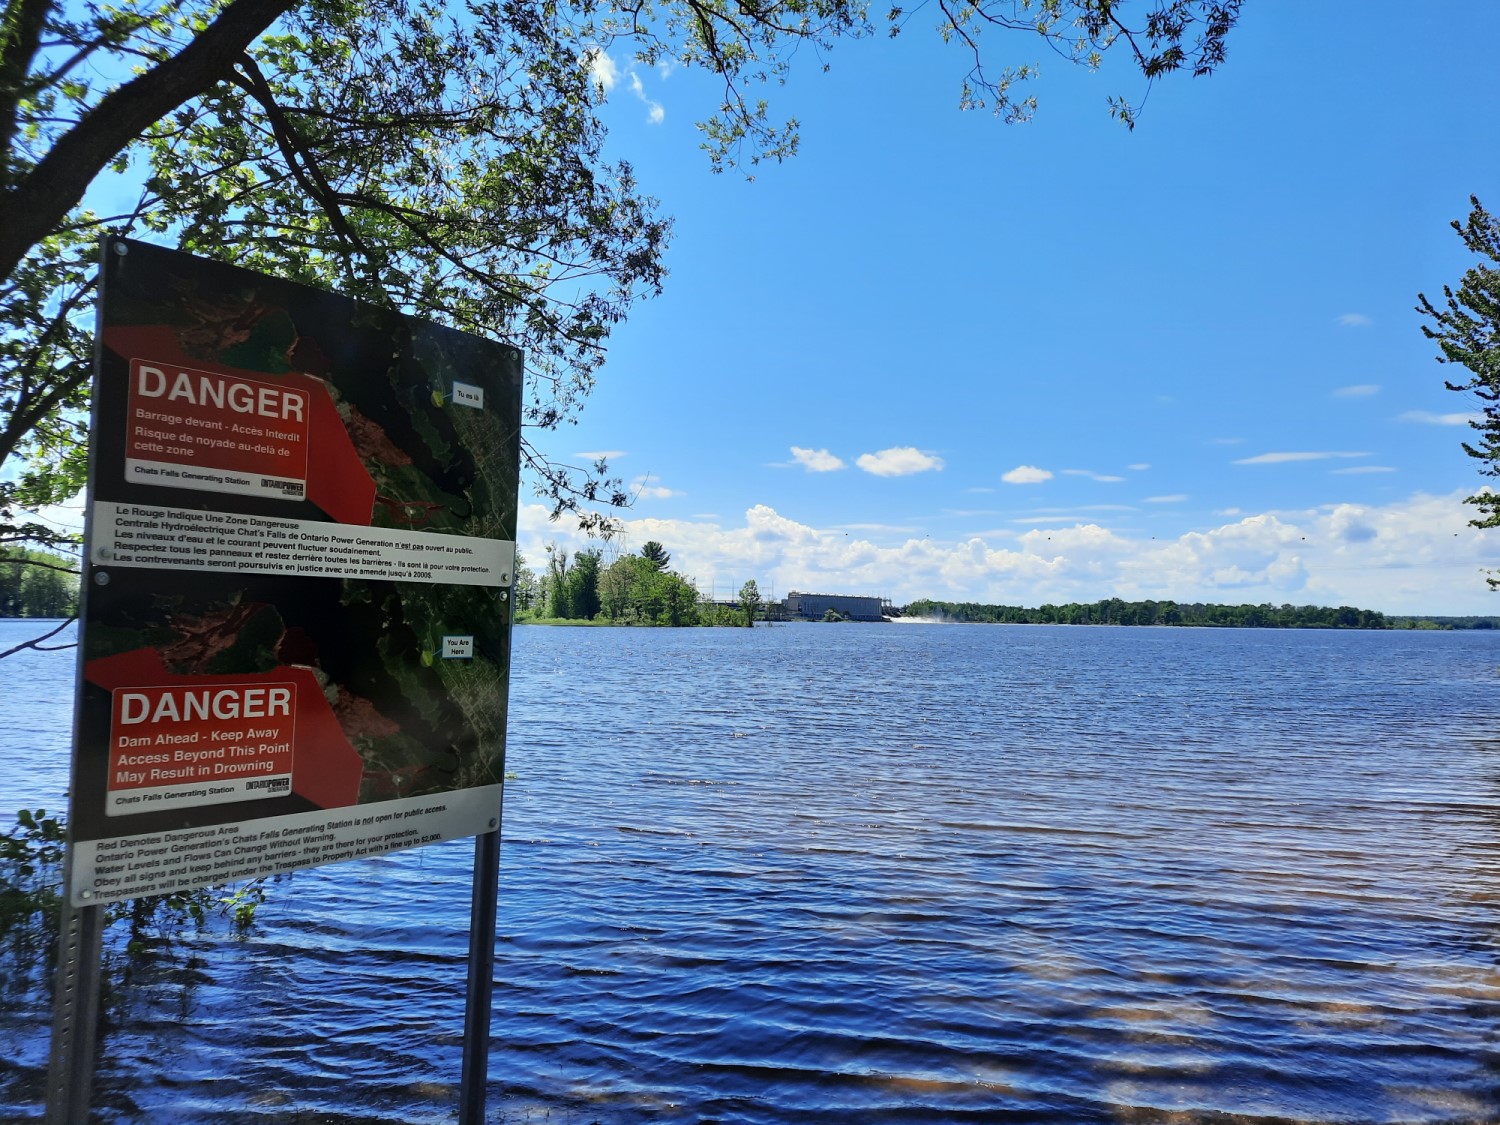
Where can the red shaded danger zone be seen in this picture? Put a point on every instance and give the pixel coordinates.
(183, 745)
(216, 432)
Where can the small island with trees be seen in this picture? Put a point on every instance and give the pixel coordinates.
(633, 589)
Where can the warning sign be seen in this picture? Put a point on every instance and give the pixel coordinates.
(200, 745)
(299, 552)
(216, 432)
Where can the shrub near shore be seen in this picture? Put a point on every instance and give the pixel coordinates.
(635, 589)
(139, 933)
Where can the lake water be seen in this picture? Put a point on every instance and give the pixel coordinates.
(898, 874)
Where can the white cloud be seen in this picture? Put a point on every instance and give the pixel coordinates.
(1044, 519)
(1357, 390)
(600, 454)
(1354, 470)
(1139, 467)
(1077, 509)
(643, 488)
(606, 75)
(899, 461)
(1355, 320)
(1103, 478)
(1026, 474)
(1431, 419)
(816, 460)
(602, 68)
(655, 114)
(1416, 555)
(1283, 458)
(1175, 498)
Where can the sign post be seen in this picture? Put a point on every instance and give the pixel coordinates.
(295, 630)
(486, 901)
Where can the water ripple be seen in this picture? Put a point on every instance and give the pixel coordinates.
(917, 875)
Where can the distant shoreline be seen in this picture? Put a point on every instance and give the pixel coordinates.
(1392, 624)
(1115, 611)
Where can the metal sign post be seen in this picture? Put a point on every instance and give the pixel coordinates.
(75, 1015)
(481, 987)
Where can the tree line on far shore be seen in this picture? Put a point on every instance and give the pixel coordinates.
(37, 584)
(1114, 611)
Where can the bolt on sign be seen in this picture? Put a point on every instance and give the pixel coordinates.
(300, 547)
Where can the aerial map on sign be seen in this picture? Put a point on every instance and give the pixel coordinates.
(301, 540)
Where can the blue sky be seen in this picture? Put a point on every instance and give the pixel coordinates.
(936, 355)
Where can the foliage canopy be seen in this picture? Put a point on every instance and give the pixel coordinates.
(442, 160)
(750, 603)
(1466, 326)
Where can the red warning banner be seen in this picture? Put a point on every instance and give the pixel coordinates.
(185, 741)
(216, 432)
(188, 745)
(333, 476)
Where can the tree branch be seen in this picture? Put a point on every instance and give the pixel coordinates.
(42, 565)
(21, 26)
(36, 642)
(30, 412)
(302, 162)
(35, 205)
